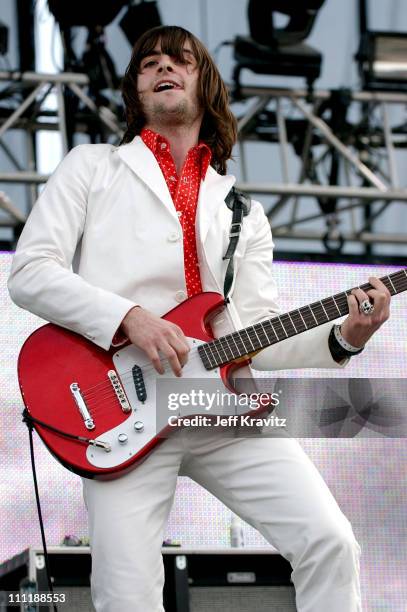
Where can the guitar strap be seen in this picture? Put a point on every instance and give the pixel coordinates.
(240, 205)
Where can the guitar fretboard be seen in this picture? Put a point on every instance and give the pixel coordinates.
(246, 342)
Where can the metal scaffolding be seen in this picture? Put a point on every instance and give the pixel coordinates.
(31, 115)
(351, 132)
(361, 153)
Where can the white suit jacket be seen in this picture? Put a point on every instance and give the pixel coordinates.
(104, 235)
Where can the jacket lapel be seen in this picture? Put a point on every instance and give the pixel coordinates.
(142, 161)
(212, 194)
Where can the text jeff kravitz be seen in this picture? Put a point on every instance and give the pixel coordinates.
(229, 421)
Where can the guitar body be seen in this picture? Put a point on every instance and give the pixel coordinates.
(53, 359)
(73, 388)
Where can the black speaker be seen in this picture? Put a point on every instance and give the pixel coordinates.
(224, 580)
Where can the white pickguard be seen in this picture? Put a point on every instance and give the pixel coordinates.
(124, 360)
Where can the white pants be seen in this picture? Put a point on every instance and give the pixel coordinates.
(269, 482)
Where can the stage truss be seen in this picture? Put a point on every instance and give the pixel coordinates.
(358, 142)
(344, 147)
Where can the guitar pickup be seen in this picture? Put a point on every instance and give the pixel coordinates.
(139, 384)
(119, 391)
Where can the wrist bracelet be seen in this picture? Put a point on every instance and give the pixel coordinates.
(349, 348)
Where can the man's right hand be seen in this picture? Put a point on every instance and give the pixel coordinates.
(152, 334)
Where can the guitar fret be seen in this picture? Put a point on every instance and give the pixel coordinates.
(344, 302)
(261, 330)
(323, 308)
(214, 347)
(403, 280)
(400, 280)
(288, 324)
(391, 282)
(293, 324)
(307, 317)
(312, 312)
(258, 339)
(272, 329)
(298, 321)
(299, 312)
(237, 348)
(241, 344)
(216, 355)
(274, 322)
(219, 343)
(247, 334)
(234, 346)
(280, 335)
(282, 325)
(228, 348)
(205, 348)
(330, 307)
(337, 308)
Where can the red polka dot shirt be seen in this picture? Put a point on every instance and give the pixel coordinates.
(184, 190)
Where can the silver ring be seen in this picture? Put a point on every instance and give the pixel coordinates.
(366, 307)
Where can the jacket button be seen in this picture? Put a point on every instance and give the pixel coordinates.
(173, 237)
(180, 296)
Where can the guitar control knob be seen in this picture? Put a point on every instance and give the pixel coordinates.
(138, 426)
(123, 438)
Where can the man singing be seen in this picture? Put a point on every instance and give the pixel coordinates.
(120, 236)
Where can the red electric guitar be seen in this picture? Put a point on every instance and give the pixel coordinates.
(95, 409)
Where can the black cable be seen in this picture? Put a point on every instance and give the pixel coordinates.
(37, 498)
(29, 420)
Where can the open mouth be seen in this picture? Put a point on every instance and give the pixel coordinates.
(166, 86)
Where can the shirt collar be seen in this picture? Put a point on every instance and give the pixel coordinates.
(158, 144)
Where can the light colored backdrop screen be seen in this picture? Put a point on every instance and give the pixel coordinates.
(367, 476)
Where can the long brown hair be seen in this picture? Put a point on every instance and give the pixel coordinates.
(218, 128)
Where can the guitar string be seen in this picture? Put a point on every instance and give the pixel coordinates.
(249, 332)
(147, 369)
(109, 401)
(104, 403)
(106, 387)
(223, 343)
(127, 376)
(104, 406)
(329, 305)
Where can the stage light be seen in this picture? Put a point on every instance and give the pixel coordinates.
(3, 39)
(382, 58)
(95, 60)
(138, 19)
(302, 15)
(82, 13)
(279, 51)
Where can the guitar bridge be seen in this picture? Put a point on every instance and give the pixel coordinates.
(119, 391)
(83, 409)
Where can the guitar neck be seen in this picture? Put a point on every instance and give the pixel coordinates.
(250, 340)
